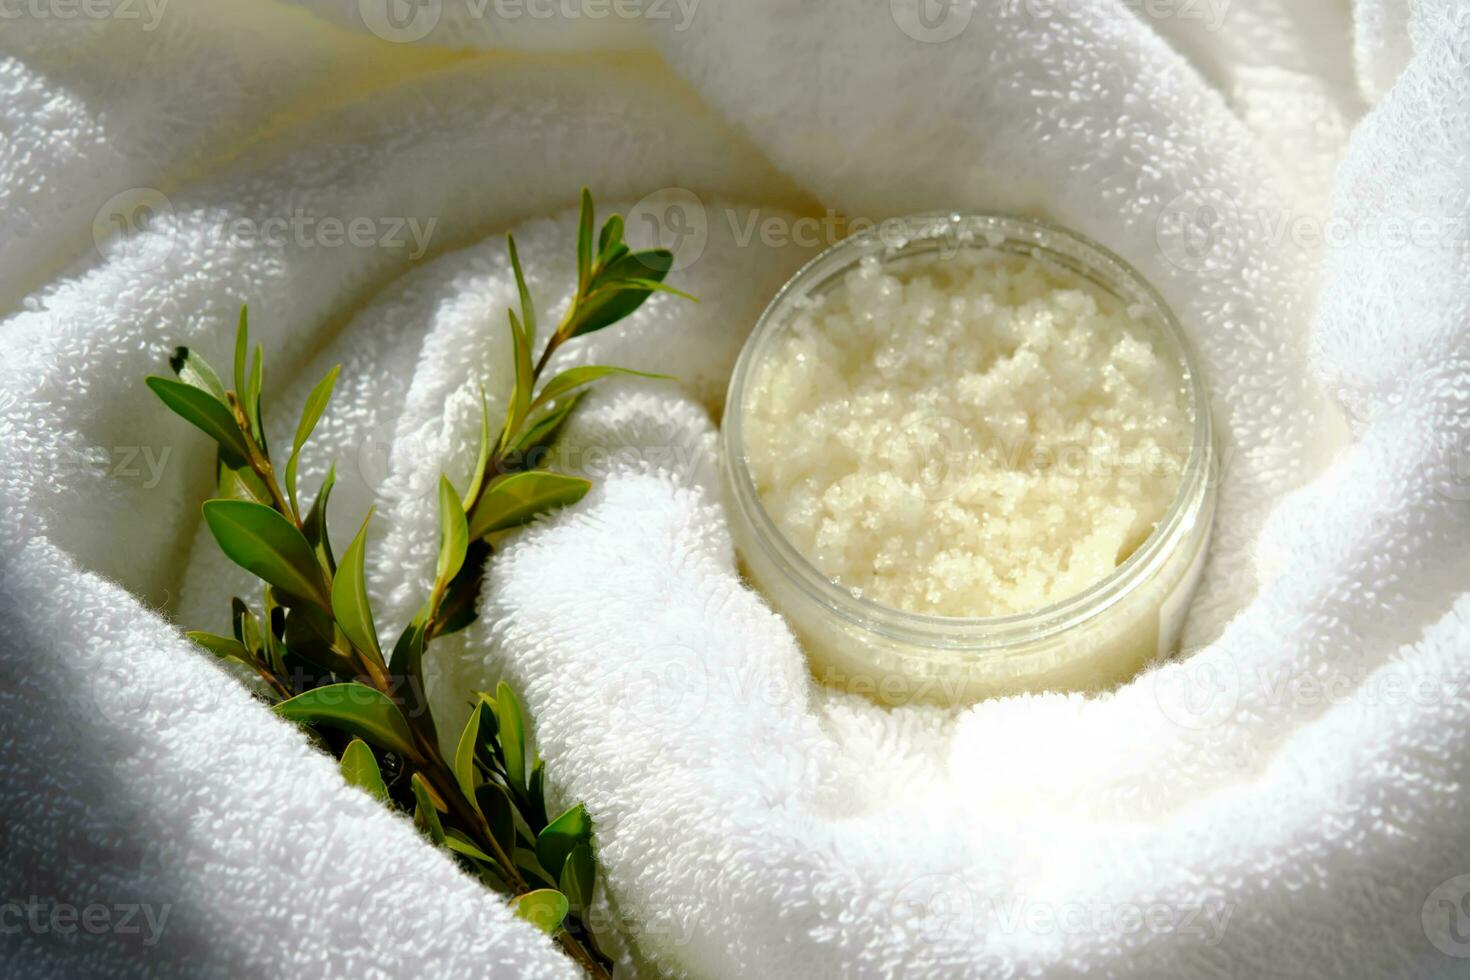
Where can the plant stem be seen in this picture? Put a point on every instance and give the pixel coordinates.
(573, 948)
(429, 758)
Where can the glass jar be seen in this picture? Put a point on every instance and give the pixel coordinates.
(1090, 641)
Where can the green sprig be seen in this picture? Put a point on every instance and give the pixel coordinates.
(316, 647)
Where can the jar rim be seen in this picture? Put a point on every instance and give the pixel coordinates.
(892, 239)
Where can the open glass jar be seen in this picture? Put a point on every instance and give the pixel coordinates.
(1090, 641)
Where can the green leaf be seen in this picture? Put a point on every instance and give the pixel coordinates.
(536, 796)
(247, 627)
(574, 378)
(224, 647)
(460, 844)
(275, 623)
(311, 635)
(584, 243)
(240, 483)
(230, 650)
(530, 868)
(464, 754)
(199, 408)
(406, 667)
(482, 459)
(511, 724)
(651, 264)
(356, 709)
(606, 307)
(563, 834)
(350, 604)
(654, 287)
(579, 877)
(457, 608)
(613, 254)
(543, 432)
(261, 541)
(315, 524)
(311, 413)
(519, 498)
(528, 312)
(360, 769)
(194, 370)
(454, 535)
(544, 908)
(251, 397)
(499, 812)
(242, 350)
(408, 653)
(425, 815)
(520, 395)
(611, 237)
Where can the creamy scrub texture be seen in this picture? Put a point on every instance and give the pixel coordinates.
(967, 435)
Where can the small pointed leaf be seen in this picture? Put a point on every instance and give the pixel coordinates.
(512, 726)
(574, 378)
(564, 833)
(519, 498)
(454, 534)
(499, 813)
(311, 413)
(545, 908)
(482, 459)
(247, 627)
(239, 483)
(356, 709)
(315, 523)
(350, 603)
(528, 312)
(584, 242)
(224, 647)
(611, 236)
(579, 877)
(464, 754)
(360, 769)
(261, 541)
(520, 396)
(425, 815)
(251, 397)
(201, 409)
(194, 370)
(242, 350)
(608, 306)
(460, 844)
(543, 432)
(536, 796)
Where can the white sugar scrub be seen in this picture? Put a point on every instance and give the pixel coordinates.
(968, 457)
(972, 436)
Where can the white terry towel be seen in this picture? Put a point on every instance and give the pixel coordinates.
(1287, 800)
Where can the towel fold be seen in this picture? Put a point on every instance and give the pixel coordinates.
(1280, 800)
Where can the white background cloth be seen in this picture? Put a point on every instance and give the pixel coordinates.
(1286, 800)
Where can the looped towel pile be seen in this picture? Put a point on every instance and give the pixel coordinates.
(1286, 798)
